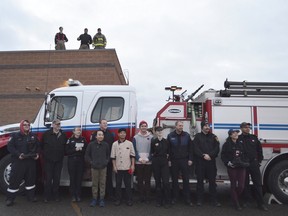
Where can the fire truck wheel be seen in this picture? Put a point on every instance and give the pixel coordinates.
(278, 181)
(5, 171)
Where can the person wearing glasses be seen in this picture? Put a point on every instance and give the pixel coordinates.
(53, 147)
(23, 146)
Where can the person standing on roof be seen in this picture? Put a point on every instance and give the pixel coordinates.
(99, 40)
(60, 39)
(142, 145)
(85, 39)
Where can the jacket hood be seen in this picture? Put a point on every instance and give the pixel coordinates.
(144, 135)
(22, 127)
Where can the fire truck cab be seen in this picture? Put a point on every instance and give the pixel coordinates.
(77, 106)
(264, 105)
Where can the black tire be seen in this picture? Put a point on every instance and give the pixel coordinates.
(5, 170)
(277, 183)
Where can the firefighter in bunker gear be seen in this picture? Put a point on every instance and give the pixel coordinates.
(23, 146)
(99, 40)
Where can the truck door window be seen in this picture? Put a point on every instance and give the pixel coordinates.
(109, 108)
(63, 108)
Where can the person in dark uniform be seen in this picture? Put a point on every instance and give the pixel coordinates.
(85, 39)
(235, 160)
(109, 139)
(53, 146)
(75, 149)
(181, 156)
(206, 149)
(253, 150)
(160, 167)
(23, 146)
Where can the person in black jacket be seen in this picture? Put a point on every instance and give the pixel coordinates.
(85, 39)
(160, 154)
(75, 150)
(234, 159)
(181, 156)
(109, 139)
(23, 146)
(254, 152)
(206, 149)
(98, 155)
(53, 147)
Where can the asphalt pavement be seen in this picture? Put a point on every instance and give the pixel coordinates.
(66, 207)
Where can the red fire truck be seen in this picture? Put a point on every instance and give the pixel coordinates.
(264, 105)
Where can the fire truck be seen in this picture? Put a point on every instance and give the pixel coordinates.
(263, 104)
(76, 106)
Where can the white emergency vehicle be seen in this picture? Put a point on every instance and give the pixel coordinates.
(77, 106)
(264, 105)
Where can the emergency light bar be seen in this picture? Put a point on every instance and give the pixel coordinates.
(72, 82)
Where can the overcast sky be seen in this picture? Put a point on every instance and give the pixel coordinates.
(163, 42)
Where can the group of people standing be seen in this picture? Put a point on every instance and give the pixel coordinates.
(144, 156)
(175, 155)
(99, 40)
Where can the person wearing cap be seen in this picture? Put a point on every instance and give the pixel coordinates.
(75, 150)
(160, 156)
(109, 139)
(60, 39)
(123, 159)
(98, 155)
(253, 149)
(142, 144)
(85, 39)
(23, 147)
(206, 149)
(232, 151)
(181, 157)
(99, 40)
(53, 148)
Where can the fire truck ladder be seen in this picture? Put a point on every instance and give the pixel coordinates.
(261, 89)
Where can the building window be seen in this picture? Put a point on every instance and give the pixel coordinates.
(109, 108)
(63, 108)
